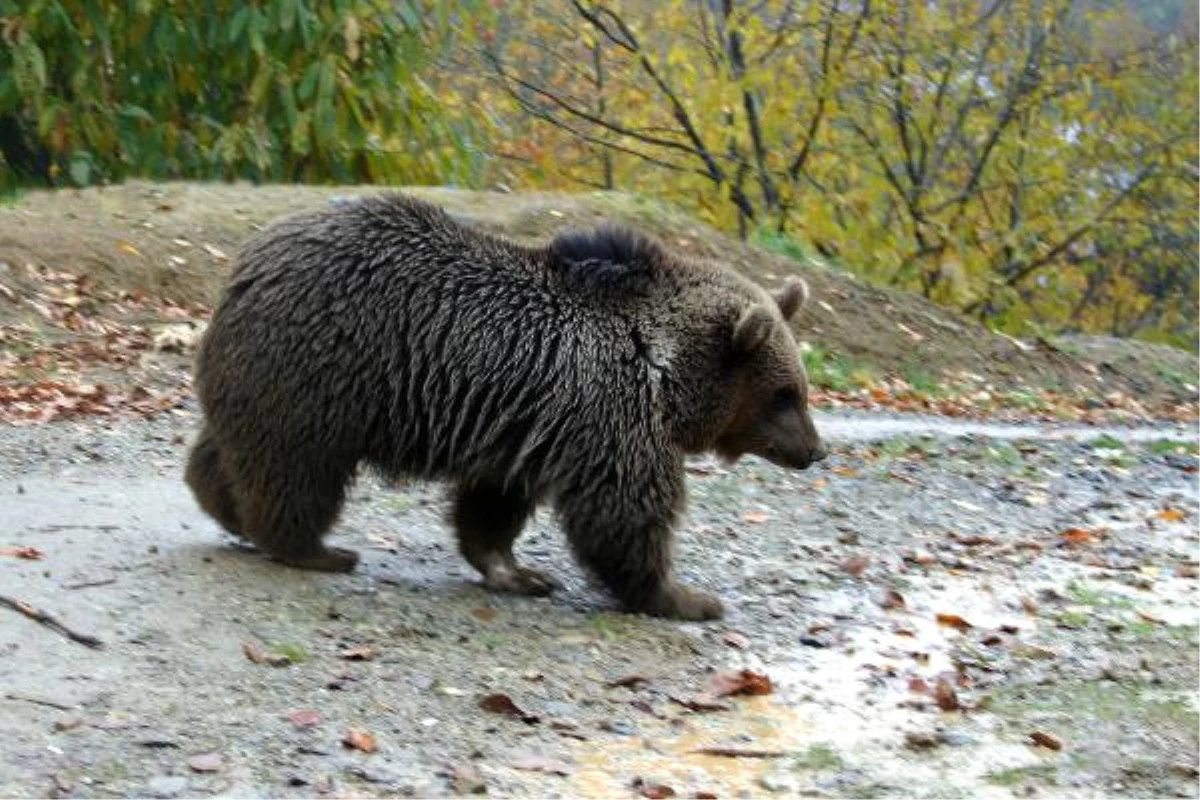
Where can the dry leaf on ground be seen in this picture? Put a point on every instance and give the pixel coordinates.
(503, 704)
(359, 740)
(739, 682)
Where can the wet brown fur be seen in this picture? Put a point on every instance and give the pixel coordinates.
(578, 374)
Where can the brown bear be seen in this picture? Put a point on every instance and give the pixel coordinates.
(578, 374)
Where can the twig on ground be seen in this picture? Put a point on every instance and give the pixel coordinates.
(50, 622)
(90, 584)
(37, 701)
(738, 752)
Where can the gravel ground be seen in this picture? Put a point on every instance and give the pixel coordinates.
(922, 604)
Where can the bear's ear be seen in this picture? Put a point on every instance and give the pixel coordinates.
(752, 329)
(792, 297)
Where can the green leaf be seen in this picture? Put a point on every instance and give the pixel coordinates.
(80, 168)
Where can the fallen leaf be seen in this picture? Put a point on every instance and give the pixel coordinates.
(755, 516)
(359, 740)
(916, 337)
(891, 599)
(304, 718)
(215, 252)
(953, 621)
(206, 762)
(735, 640)
(655, 791)
(917, 685)
(945, 696)
(1172, 515)
(537, 763)
(845, 472)
(466, 780)
(921, 740)
(27, 553)
(1046, 740)
(383, 541)
(485, 613)
(1148, 617)
(974, 541)
(1078, 536)
(739, 682)
(503, 704)
(254, 652)
(362, 652)
(855, 566)
(703, 795)
(629, 681)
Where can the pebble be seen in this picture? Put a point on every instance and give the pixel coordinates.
(166, 786)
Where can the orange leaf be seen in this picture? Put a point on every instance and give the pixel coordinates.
(1172, 515)
(755, 516)
(359, 740)
(1046, 740)
(740, 682)
(1078, 536)
(953, 621)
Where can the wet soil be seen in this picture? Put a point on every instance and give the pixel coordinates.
(923, 604)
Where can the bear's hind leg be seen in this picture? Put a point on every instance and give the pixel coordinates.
(211, 484)
(287, 508)
(626, 543)
(487, 520)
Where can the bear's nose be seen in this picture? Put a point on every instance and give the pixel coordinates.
(819, 453)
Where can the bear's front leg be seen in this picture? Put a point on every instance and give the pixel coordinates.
(626, 542)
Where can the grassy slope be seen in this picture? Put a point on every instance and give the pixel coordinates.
(153, 237)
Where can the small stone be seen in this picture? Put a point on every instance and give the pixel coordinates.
(166, 786)
(68, 723)
(206, 762)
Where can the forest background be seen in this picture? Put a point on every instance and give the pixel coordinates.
(1031, 163)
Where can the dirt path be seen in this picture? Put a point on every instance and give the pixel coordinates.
(1064, 572)
(874, 427)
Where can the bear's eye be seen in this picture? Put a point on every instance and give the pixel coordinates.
(785, 399)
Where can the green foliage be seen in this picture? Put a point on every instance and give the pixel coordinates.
(1106, 442)
(782, 243)
(272, 90)
(829, 369)
(817, 757)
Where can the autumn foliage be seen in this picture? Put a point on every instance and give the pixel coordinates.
(1032, 163)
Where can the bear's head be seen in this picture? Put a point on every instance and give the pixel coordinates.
(768, 416)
